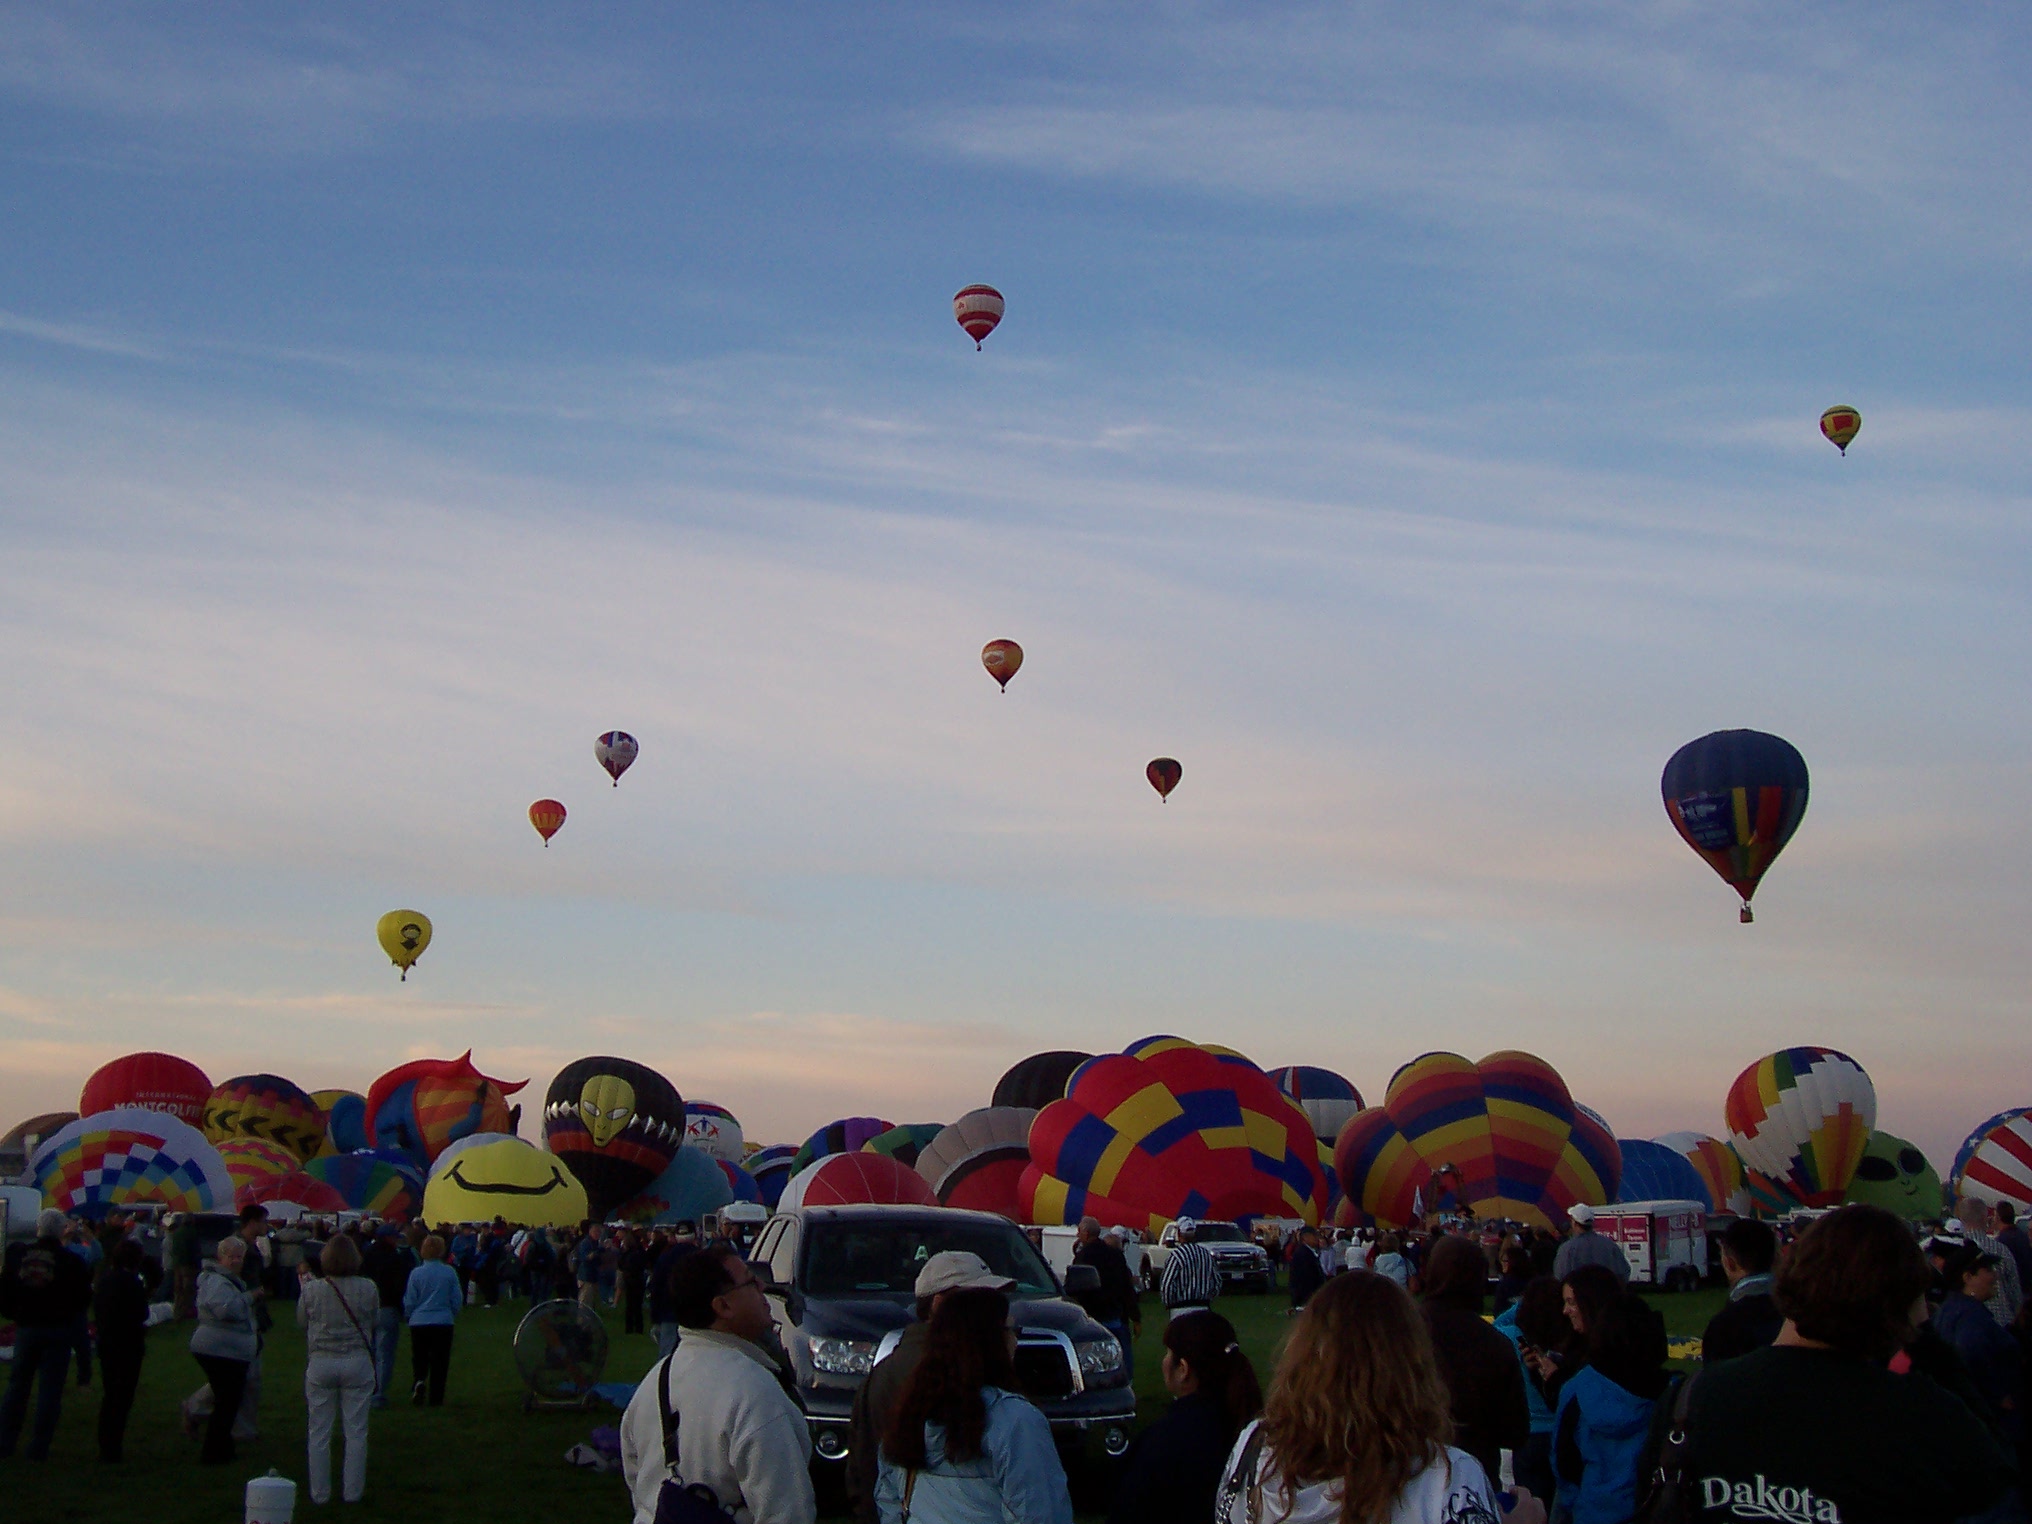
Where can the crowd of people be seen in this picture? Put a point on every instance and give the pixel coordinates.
(1856, 1373)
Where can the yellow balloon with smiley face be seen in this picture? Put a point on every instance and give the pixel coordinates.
(506, 1178)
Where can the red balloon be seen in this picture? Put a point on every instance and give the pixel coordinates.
(978, 309)
(546, 815)
(152, 1081)
(1164, 774)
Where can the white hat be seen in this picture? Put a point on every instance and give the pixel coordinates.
(1187, 1225)
(1119, 1233)
(1580, 1211)
(957, 1270)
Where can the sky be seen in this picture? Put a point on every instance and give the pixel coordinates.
(1406, 420)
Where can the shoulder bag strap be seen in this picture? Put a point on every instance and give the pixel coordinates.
(909, 1487)
(670, 1420)
(346, 1308)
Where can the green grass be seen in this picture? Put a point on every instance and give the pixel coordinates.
(478, 1457)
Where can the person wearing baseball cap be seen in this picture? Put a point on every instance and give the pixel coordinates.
(1587, 1247)
(948, 1271)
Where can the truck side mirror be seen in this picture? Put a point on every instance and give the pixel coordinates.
(761, 1271)
(1082, 1280)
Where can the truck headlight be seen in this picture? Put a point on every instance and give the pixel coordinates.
(1100, 1358)
(843, 1357)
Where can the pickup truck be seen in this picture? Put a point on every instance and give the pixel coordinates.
(1240, 1260)
(842, 1280)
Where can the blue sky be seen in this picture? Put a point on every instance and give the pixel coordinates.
(1408, 424)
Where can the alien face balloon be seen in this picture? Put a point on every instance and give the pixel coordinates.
(1894, 1175)
(615, 1124)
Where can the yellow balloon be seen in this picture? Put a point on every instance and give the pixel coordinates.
(509, 1179)
(404, 935)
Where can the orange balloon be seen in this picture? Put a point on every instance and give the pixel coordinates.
(546, 815)
(1164, 774)
(1002, 658)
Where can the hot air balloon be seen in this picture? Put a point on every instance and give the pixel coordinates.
(269, 1109)
(417, 1108)
(903, 1142)
(1801, 1118)
(404, 935)
(616, 750)
(250, 1160)
(130, 1156)
(1994, 1163)
(1327, 1099)
(616, 1124)
(977, 309)
(21, 1140)
(1840, 425)
(1893, 1174)
(1653, 1172)
(691, 1185)
(488, 1177)
(1503, 1136)
(1720, 1171)
(1040, 1079)
(373, 1181)
(151, 1081)
(771, 1170)
(1164, 774)
(842, 1137)
(1736, 796)
(547, 815)
(743, 1183)
(977, 1163)
(847, 1178)
(1170, 1128)
(714, 1129)
(1002, 658)
(297, 1187)
(345, 1120)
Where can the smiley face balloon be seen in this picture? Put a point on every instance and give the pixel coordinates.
(506, 1178)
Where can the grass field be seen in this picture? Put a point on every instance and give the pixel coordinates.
(479, 1456)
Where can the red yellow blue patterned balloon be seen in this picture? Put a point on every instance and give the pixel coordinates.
(1170, 1128)
(1736, 797)
(268, 1109)
(130, 1156)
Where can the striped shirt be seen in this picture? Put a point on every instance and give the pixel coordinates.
(1191, 1278)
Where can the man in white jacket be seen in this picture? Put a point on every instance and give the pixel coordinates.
(738, 1431)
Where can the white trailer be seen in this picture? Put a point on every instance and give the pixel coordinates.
(1058, 1244)
(1665, 1241)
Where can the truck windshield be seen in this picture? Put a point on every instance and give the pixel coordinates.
(877, 1258)
(1220, 1233)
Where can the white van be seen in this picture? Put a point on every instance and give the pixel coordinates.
(1665, 1241)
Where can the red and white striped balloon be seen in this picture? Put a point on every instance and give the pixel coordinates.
(978, 309)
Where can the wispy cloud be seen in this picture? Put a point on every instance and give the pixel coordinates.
(83, 336)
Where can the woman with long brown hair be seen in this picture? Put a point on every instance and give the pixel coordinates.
(1355, 1429)
(962, 1446)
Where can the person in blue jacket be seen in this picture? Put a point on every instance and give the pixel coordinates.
(1534, 1322)
(1603, 1422)
(962, 1446)
(430, 1306)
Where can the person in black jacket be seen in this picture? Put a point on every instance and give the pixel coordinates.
(1751, 1319)
(1307, 1273)
(1173, 1470)
(1484, 1382)
(120, 1308)
(45, 1289)
(1117, 1306)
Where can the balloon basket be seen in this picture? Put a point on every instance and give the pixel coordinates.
(1747, 915)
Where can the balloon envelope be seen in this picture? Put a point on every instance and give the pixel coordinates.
(546, 815)
(842, 1137)
(371, 1181)
(1720, 1171)
(691, 1185)
(483, 1177)
(151, 1081)
(903, 1142)
(1736, 797)
(977, 1163)
(616, 1125)
(1002, 658)
(403, 935)
(616, 751)
(1164, 774)
(345, 1121)
(1893, 1174)
(1841, 425)
(1653, 1172)
(845, 1178)
(130, 1156)
(977, 309)
(1328, 1099)
(250, 1161)
(714, 1129)
(770, 1168)
(269, 1109)
(1801, 1118)
(417, 1108)
(1994, 1163)
(1170, 1128)
(1038, 1080)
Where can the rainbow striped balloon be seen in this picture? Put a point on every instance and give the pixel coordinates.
(1800, 1119)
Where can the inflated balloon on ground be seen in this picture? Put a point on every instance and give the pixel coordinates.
(1170, 1128)
(1994, 1163)
(714, 1129)
(615, 1123)
(904, 1141)
(848, 1178)
(251, 1161)
(419, 1107)
(1893, 1174)
(844, 1136)
(506, 1178)
(977, 1163)
(1327, 1099)
(130, 1156)
(771, 1170)
(151, 1081)
(1035, 1082)
(269, 1109)
(691, 1185)
(1800, 1118)
(1720, 1171)
(1654, 1172)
